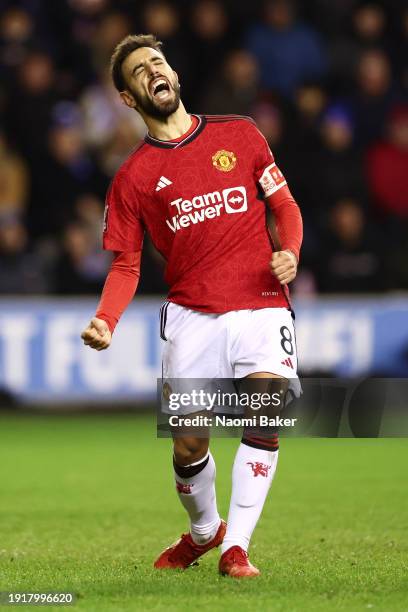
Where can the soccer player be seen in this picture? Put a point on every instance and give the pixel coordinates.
(195, 184)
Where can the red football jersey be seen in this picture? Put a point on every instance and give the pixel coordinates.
(199, 200)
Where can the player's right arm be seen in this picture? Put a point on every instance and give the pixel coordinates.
(118, 291)
(123, 234)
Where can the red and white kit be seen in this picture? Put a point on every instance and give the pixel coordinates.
(201, 199)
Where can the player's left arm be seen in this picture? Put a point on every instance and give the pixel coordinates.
(289, 226)
(123, 234)
(287, 214)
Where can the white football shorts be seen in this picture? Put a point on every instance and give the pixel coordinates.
(231, 345)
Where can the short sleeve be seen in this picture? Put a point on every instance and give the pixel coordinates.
(122, 228)
(266, 172)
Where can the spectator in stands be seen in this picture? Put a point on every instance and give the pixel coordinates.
(109, 129)
(89, 9)
(374, 96)
(333, 169)
(350, 253)
(310, 101)
(387, 165)
(88, 210)
(211, 37)
(367, 30)
(369, 23)
(72, 171)
(72, 27)
(268, 118)
(118, 147)
(14, 181)
(301, 139)
(81, 268)
(331, 17)
(162, 18)
(16, 33)
(110, 30)
(400, 48)
(86, 15)
(235, 91)
(28, 113)
(288, 51)
(21, 270)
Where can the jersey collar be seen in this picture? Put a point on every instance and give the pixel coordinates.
(168, 144)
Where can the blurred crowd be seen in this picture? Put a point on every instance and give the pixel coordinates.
(325, 80)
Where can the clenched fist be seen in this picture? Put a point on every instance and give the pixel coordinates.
(97, 335)
(284, 266)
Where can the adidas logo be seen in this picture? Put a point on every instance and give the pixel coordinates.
(287, 362)
(162, 183)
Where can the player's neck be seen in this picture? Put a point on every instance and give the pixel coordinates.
(171, 127)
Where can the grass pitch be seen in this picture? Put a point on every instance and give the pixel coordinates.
(88, 502)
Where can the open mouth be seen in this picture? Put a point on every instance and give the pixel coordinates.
(160, 89)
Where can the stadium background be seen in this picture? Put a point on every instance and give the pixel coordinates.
(87, 499)
(326, 82)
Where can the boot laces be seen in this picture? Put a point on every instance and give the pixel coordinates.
(239, 556)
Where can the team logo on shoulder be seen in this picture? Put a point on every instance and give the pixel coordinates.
(224, 160)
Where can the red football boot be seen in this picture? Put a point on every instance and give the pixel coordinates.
(184, 552)
(235, 563)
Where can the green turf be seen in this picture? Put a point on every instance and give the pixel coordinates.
(86, 503)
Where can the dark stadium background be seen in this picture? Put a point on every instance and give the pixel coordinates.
(326, 82)
(331, 101)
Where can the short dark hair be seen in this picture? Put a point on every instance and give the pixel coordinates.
(125, 48)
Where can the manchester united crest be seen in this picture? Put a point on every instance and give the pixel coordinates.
(224, 160)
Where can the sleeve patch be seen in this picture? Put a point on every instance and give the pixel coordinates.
(105, 218)
(271, 180)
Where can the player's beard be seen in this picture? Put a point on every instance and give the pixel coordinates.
(156, 109)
